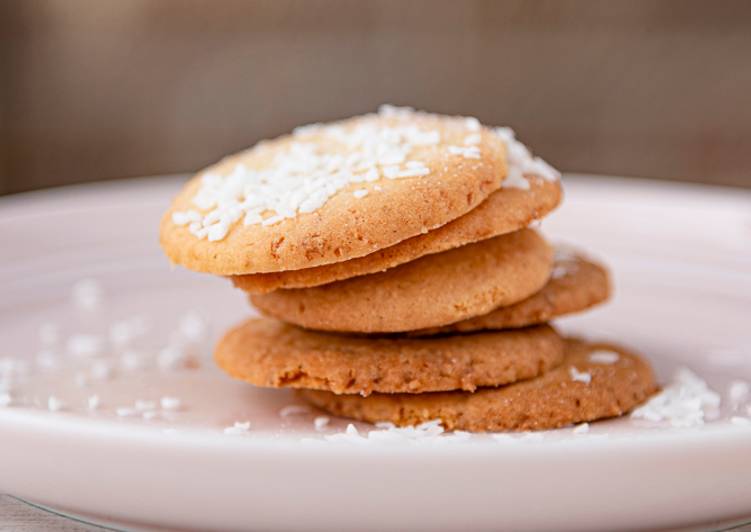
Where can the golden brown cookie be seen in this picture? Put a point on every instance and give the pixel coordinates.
(576, 284)
(270, 353)
(431, 291)
(581, 389)
(505, 210)
(332, 192)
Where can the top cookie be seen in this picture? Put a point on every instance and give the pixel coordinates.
(329, 193)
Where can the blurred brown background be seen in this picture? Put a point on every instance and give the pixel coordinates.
(94, 90)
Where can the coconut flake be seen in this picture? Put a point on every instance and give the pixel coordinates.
(54, 404)
(170, 403)
(321, 422)
(602, 356)
(521, 163)
(683, 403)
(579, 376)
(238, 428)
(582, 428)
(294, 410)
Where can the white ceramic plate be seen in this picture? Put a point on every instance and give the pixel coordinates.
(681, 258)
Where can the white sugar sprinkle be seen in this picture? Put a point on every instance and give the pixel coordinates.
(54, 404)
(170, 403)
(470, 140)
(302, 175)
(294, 410)
(472, 123)
(5, 399)
(521, 162)
(603, 357)
(581, 429)
(683, 403)
(122, 333)
(468, 152)
(738, 392)
(84, 345)
(579, 376)
(87, 294)
(360, 193)
(142, 405)
(93, 402)
(238, 428)
(193, 327)
(740, 421)
(172, 356)
(388, 433)
(321, 422)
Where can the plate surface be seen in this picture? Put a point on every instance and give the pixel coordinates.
(97, 328)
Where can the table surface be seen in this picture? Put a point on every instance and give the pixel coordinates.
(17, 516)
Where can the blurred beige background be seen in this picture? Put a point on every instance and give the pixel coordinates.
(94, 90)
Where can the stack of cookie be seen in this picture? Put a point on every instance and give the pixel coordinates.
(393, 257)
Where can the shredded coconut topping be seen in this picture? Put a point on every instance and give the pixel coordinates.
(122, 333)
(321, 422)
(738, 392)
(294, 410)
(468, 152)
(387, 433)
(170, 403)
(5, 399)
(603, 357)
(54, 404)
(579, 376)
(142, 405)
(238, 429)
(303, 175)
(521, 162)
(93, 402)
(581, 429)
(85, 345)
(684, 403)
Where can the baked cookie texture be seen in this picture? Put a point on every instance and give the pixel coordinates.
(332, 193)
(431, 291)
(581, 389)
(576, 284)
(504, 211)
(270, 353)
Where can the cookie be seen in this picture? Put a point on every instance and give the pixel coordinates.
(270, 353)
(576, 284)
(586, 387)
(431, 291)
(506, 210)
(333, 192)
